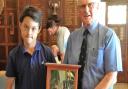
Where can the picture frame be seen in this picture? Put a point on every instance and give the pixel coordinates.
(61, 76)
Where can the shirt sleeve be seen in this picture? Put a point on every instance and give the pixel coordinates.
(10, 68)
(113, 59)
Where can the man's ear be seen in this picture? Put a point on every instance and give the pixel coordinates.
(39, 30)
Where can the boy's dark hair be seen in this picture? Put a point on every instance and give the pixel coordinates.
(53, 20)
(32, 12)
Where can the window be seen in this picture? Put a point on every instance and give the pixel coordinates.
(117, 14)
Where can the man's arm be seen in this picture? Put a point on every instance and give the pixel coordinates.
(10, 82)
(108, 80)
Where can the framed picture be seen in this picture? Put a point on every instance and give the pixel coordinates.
(61, 76)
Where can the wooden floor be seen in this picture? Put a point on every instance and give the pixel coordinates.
(121, 86)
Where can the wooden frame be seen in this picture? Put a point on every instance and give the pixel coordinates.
(60, 68)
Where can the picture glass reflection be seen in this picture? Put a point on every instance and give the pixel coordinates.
(62, 79)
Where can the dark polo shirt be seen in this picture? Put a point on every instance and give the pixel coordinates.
(29, 70)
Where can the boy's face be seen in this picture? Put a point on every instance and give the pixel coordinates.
(29, 30)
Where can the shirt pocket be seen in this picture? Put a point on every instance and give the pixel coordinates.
(97, 57)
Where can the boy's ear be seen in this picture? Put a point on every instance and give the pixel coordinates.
(19, 24)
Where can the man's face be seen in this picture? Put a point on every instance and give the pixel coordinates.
(88, 12)
(52, 30)
(29, 30)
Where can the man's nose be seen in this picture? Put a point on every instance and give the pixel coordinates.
(86, 8)
(86, 12)
(50, 33)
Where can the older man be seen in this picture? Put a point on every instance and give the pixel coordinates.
(96, 48)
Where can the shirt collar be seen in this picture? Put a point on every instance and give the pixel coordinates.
(37, 47)
(92, 28)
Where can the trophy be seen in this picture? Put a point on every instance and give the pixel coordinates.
(1, 6)
(54, 5)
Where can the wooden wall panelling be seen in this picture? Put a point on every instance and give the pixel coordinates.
(126, 53)
(122, 33)
(9, 32)
(42, 5)
(127, 31)
(116, 1)
(51, 40)
(70, 13)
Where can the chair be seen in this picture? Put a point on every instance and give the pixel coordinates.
(2, 80)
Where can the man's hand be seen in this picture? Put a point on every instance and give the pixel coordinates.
(55, 50)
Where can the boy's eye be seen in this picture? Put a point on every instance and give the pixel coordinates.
(26, 27)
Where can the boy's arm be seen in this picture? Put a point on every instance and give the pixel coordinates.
(10, 82)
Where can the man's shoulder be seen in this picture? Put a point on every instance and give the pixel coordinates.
(64, 29)
(106, 30)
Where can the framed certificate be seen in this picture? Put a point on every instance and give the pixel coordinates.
(61, 76)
